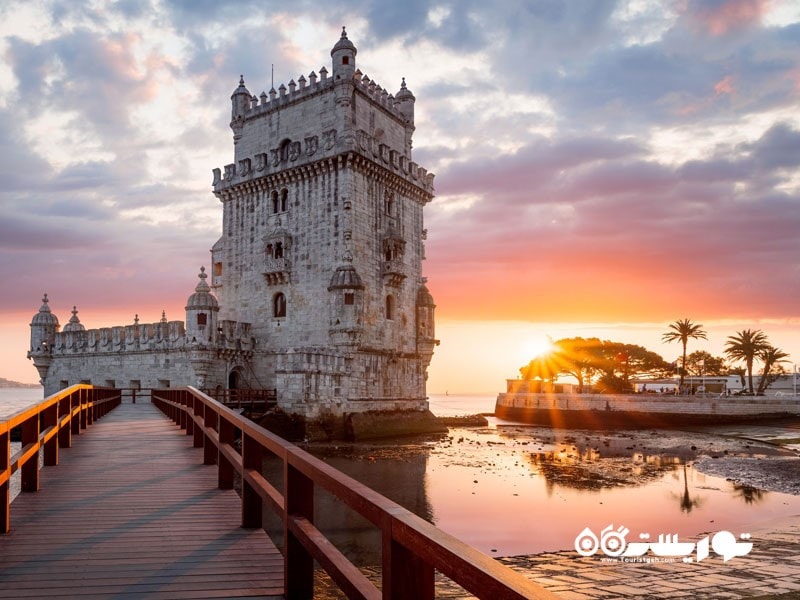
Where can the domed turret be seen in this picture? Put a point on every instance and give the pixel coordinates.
(240, 99)
(424, 297)
(74, 322)
(425, 316)
(44, 326)
(343, 55)
(240, 103)
(201, 312)
(404, 101)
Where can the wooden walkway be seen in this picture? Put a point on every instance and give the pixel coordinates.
(131, 512)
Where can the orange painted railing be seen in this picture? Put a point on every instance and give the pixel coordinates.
(49, 424)
(412, 548)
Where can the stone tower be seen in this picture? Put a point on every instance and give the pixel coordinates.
(323, 241)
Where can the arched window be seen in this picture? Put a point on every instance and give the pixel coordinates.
(278, 249)
(345, 60)
(274, 198)
(279, 305)
(284, 199)
(389, 307)
(270, 251)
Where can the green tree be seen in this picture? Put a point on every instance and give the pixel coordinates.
(746, 346)
(617, 362)
(577, 357)
(771, 357)
(701, 362)
(682, 330)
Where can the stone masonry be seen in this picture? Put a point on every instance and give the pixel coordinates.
(316, 285)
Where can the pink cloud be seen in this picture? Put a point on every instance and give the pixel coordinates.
(725, 86)
(731, 15)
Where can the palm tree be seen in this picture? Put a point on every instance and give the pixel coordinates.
(770, 356)
(746, 345)
(683, 330)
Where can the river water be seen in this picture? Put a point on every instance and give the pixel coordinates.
(509, 489)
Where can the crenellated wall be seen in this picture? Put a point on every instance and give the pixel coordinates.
(121, 338)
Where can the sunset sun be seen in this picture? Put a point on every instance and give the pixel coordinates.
(538, 346)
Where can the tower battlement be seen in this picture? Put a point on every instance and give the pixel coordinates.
(318, 119)
(316, 286)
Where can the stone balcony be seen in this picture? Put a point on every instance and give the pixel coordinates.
(393, 272)
(276, 270)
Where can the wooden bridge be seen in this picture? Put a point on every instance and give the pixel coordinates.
(136, 508)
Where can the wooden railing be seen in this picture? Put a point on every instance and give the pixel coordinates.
(49, 424)
(412, 548)
(246, 399)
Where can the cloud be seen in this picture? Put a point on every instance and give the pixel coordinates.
(540, 119)
(719, 17)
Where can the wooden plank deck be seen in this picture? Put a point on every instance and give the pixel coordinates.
(131, 512)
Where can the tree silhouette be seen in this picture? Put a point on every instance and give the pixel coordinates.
(771, 357)
(701, 362)
(746, 346)
(682, 330)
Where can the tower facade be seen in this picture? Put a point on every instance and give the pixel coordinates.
(316, 286)
(323, 241)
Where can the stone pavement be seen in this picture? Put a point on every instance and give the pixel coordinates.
(770, 570)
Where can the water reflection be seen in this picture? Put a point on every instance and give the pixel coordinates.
(749, 494)
(522, 491)
(687, 501)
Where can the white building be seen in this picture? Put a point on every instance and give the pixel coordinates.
(316, 284)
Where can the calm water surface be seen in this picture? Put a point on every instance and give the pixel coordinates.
(508, 490)
(13, 400)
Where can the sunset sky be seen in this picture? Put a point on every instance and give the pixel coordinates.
(602, 168)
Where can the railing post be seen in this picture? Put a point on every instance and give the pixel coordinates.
(252, 506)
(50, 419)
(210, 451)
(409, 576)
(30, 470)
(225, 471)
(298, 565)
(184, 417)
(5, 492)
(90, 406)
(75, 419)
(198, 408)
(84, 403)
(65, 432)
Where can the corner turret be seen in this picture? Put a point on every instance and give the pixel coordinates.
(343, 56)
(201, 313)
(404, 102)
(44, 326)
(240, 103)
(74, 322)
(426, 323)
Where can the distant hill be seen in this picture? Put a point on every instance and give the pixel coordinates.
(7, 383)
